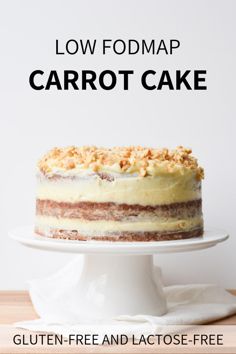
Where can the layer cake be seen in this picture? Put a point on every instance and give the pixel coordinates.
(119, 194)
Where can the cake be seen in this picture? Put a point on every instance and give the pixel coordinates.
(119, 194)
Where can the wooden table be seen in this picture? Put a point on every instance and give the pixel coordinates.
(16, 306)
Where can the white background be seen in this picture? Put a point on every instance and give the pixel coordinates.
(34, 121)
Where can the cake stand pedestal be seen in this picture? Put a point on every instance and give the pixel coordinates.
(117, 278)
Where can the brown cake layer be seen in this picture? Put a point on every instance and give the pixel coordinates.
(58, 177)
(123, 236)
(117, 212)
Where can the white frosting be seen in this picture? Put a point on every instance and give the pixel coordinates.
(163, 189)
(103, 227)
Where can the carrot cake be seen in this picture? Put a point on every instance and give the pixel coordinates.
(119, 194)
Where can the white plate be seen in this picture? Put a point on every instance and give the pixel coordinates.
(26, 236)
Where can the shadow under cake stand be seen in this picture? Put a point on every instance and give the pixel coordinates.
(117, 278)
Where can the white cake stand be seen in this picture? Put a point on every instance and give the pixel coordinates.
(117, 277)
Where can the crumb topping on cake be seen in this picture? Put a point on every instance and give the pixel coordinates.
(132, 159)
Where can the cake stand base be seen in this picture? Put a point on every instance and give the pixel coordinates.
(117, 278)
(113, 285)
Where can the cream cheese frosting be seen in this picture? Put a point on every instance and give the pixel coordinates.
(103, 227)
(163, 189)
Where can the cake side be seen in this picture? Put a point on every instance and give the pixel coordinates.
(163, 203)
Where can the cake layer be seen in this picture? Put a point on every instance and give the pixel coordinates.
(150, 190)
(122, 236)
(117, 212)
